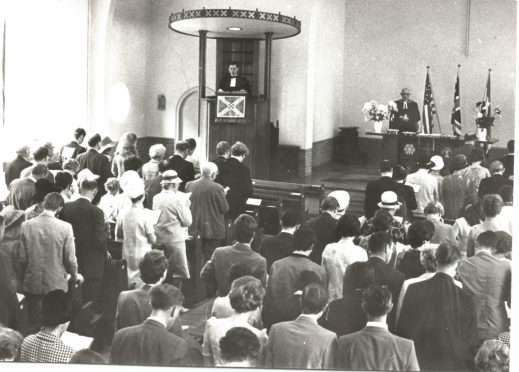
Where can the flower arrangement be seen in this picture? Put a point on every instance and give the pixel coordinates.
(374, 111)
(484, 118)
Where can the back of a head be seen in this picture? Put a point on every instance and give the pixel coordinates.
(239, 149)
(157, 151)
(348, 226)
(382, 220)
(399, 173)
(506, 192)
(40, 170)
(192, 144)
(510, 146)
(240, 344)
(487, 240)
(329, 204)
(289, 219)
(385, 166)
(86, 356)
(458, 162)
(379, 242)
(358, 276)
(493, 356)
(376, 301)
(53, 201)
(152, 266)
(434, 207)
(471, 210)
(447, 255)
(133, 163)
(246, 294)
(43, 188)
(244, 228)
(305, 278)
(476, 155)
(40, 154)
(420, 232)
(10, 344)
(504, 243)
(237, 271)
(94, 140)
(496, 167)
(23, 151)
(112, 185)
(492, 204)
(71, 165)
(87, 186)
(428, 259)
(222, 148)
(165, 296)
(56, 308)
(208, 169)
(314, 299)
(63, 180)
(182, 146)
(79, 132)
(304, 239)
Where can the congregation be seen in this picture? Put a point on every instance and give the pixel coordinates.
(421, 281)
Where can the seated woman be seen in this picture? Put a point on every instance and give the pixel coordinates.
(418, 236)
(246, 297)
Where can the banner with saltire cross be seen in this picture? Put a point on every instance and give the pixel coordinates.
(230, 107)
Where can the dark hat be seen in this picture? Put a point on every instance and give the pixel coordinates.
(41, 153)
(57, 308)
(424, 161)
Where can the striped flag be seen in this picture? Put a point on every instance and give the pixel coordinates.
(429, 107)
(456, 110)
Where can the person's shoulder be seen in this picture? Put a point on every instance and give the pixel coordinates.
(348, 338)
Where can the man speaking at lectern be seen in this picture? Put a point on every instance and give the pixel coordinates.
(407, 116)
(234, 82)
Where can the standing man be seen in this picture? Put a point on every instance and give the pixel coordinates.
(375, 189)
(323, 227)
(14, 168)
(234, 82)
(91, 236)
(223, 151)
(73, 148)
(97, 163)
(47, 254)
(185, 169)
(407, 116)
(40, 156)
(238, 180)
(22, 190)
(208, 207)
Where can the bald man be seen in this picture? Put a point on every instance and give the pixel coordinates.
(407, 116)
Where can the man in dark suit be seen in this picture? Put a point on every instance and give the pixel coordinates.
(150, 343)
(274, 248)
(91, 237)
(441, 318)
(97, 163)
(72, 149)
(508, 160)
(467, 147)
(234, 82)
(323, 227)
(302, 343)
(404, 191)
(22, 190)
(223, 151)
(216, 269)
(238, 180)
(386, 351)
(379, 249)
(374, 189)
(407, 115)
(178, 162)
(492, 184)
(14, 168)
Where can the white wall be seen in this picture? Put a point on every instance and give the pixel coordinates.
(388, 45)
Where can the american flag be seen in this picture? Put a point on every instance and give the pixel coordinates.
(429, 107)
(456, 110)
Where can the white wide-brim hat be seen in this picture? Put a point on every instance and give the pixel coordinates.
(389, 200)
(438, 162)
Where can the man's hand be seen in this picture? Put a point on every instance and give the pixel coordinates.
(79, 278)
(405, 118)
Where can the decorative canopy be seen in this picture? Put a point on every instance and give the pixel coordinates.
(234, 23)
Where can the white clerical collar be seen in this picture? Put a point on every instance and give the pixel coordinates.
(377, 324)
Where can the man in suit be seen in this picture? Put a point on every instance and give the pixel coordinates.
(492, 184)
(488, 279)
(443, 233)
(508, 160)
(40, 156)
(404, 191)
(47, 254)
(467, 147)
(302, 343)
(22, 190)
(274, 248)
(215, 270)
(73, 148)
(238, 180)
(407, 116)
(386, 351)
(223, 151)
(91, 237)
(285, 273)
(379, 249)
(150, 343)
(323, 227)
(234, 82)
(441, 318)
(97, 163)
(178, 163)
(374, 189)
(208, 207)
(14, 168)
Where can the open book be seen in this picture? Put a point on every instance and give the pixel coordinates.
(76, 341)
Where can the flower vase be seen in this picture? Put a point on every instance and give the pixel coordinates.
(378, 126)
(481, 134)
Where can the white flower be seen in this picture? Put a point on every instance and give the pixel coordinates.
(366, 107)
(479, 115)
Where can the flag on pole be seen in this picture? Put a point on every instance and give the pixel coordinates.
(456, 110)
(486, 97)
(430, 116)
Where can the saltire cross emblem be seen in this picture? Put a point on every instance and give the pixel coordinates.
(230, 107)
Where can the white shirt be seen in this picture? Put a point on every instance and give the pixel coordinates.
(376, 324)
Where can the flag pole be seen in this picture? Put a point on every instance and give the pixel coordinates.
(436, 111)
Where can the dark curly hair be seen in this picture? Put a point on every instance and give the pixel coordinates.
(239, 344)
(152, 266)
(246, 294)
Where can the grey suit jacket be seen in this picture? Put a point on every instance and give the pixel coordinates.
(133, 307)
(375, 348)
(302, 344)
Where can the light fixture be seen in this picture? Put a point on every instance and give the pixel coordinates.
(234, 28)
